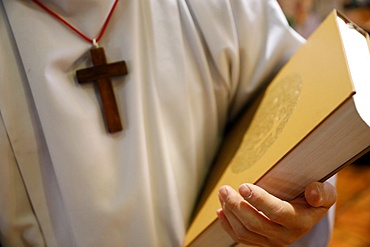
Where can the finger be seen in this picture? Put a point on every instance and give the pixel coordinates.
(249, 238)
(226, 225)
(277, 210)
(235, 206)
(320, 194)
(246, 223)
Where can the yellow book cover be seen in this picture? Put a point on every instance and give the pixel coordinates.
(310, 121)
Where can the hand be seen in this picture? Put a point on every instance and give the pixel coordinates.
(254, 217)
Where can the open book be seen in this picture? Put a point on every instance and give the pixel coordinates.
(311, 121)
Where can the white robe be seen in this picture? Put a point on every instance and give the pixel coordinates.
(192, 66)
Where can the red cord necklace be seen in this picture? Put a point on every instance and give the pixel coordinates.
(100, 72)
(75, 29)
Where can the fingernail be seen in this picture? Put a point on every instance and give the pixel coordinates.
(314, 194)
(321, 194)
(223, 193)
(219, 214)
(245, 191)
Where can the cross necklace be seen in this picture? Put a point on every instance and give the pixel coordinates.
(100, 72)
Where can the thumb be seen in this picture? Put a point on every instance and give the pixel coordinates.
(320, 194)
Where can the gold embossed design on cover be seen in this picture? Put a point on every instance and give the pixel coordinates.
(269, 122)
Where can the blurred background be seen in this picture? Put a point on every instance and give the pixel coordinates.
(352, 220)
(305, 15)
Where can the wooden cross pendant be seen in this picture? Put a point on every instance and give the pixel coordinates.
(101, 73)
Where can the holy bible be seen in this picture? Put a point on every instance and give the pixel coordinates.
(310, 122)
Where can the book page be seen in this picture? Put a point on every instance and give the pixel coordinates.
(357, 50)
